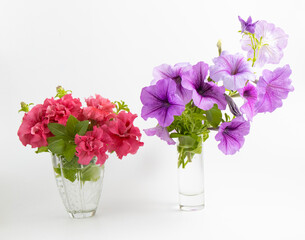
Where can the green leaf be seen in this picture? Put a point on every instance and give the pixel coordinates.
(74, 171)
(70, 169)
(42, 149)
(91, 172)
(57, 171)
(189, 122)
(72, 164)
(67, 139)
(214, 116)
(205, 135)
(227, 117)
(56, 145)
(70, 174)
(81, 127)
(120, 106)
(176, 135)
(210, 79)
(57, 129)
(69, 151)
(187, 142)
(53, 139)
(187, 147)
(71, 124)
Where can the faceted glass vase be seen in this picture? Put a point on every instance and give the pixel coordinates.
(191, 181)
(80, 186)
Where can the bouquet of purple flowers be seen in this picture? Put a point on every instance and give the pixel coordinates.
(189, 101)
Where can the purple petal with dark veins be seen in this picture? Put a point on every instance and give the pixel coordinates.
(249, 94)
(205, 94)
(173, 72)
(161, 102)
(272, 87)
(231, 135)
(233, 70)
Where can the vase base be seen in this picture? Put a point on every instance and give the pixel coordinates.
(191, 202)
(80, 215)
(191, 208)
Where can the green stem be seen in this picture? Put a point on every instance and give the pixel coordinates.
(189, 157)
(213, 129)
(235, 95)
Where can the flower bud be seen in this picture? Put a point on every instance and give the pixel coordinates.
(59, 88)
(25, 107)
(219, 47)
(61, 92)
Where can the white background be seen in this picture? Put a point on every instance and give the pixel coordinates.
(110, 48)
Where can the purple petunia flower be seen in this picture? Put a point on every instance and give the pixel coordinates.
(161, 132)
(205, 94)
(247, 26)
(233, 70)
(231, 135)
(274, 40)
(249, 93)
(175, 73)
(272, 87)
(161, 102)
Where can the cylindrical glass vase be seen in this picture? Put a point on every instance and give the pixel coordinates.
(80, 186)
(190, 175)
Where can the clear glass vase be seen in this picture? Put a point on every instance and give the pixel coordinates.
(80, 186)
(190, 174)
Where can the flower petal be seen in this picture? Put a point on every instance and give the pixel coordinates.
(205, 94)
(249, 93)
(274, 40)
(272, 87)
(233, 70)
(160, 101)
(231, 135)
(175, 74)
(161, 132)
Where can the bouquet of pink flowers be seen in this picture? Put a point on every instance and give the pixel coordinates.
(64, 127)
(189, 101)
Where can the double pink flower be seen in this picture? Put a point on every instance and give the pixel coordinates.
(118, 135)
(34, 127)
(94, 143)
(110, 131)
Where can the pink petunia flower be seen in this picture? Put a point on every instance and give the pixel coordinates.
(59, 110)
(33, 129)
(99, 109)
(94, 143)
(125, 136)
